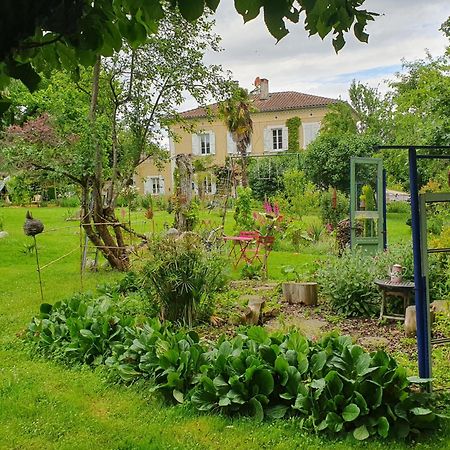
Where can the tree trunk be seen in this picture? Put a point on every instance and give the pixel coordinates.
(97, 218)
(183, 192)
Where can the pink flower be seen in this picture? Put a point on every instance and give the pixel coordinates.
(276, 209)
(267, 207)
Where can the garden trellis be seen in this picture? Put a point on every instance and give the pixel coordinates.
(420, 249)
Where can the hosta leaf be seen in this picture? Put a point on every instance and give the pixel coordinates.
(334, 422)
(224, 401)
(178, 396)
(45, 308)
(281, 365)
(220, 382)
(351, 412)
(418, 380)
(383, 427)
(420, 411)
(264, 379)
(361, 433)
(258, 334)
(256, 409)
(87, 334)
(318, 362)
(277, 412)
(302, 363)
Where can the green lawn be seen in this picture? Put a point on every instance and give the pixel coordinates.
(46, 406)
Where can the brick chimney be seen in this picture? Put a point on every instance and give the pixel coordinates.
(264, 89)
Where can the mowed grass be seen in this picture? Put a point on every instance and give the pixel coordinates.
(46, 406)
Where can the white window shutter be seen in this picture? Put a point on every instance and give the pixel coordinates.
(213, 187)
(161, 185)
(231, 145)
(195, 144)
(310, 131)
(212, 142)
(268, 140)
(147, 185)
(249, 148)
(285, 136)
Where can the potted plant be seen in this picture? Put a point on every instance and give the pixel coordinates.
(297, 291)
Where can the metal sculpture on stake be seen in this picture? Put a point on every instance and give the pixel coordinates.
(32, 227)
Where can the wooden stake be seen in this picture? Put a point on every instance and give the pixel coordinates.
(38, 268)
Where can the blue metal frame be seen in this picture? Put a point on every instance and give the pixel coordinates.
(422, 309)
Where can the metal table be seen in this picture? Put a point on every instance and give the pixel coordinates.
(403, 290)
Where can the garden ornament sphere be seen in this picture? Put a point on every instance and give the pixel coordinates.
(32, 227)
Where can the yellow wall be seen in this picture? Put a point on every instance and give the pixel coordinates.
(260, 122)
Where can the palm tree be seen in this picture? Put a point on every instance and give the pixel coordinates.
(236, 113)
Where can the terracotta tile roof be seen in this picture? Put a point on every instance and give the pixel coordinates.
(277, 101)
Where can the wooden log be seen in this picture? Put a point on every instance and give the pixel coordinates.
(253, 312)
(305, 293)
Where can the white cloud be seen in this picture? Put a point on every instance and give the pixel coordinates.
(299, 62)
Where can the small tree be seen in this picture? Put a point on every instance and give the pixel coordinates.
(236, 113)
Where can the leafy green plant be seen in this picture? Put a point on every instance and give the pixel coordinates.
(79, 329)
(348, 283)
(333, 213)
(291, 273)
(251, 271)
(243, 210)
(170, 359)
(333, 385)
(184, 276)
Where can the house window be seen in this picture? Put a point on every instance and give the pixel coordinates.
(209, 187)
(277, 139)
(154, 185)
(205, 144)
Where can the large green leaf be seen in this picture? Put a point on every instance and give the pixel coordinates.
(276, 412)
(318, 362)
(351, 412)
(191, 9)
(256, 409)
(258, 334)
(383, 427)
(264, 379)
(361, 433)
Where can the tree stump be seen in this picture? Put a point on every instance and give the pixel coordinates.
(410, 321)
(253, 312)
(305, 293)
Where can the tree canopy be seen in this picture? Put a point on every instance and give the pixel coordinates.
(39, 36)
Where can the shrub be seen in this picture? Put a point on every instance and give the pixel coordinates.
(348, 281)
(333, 385)
(243, 210)
(79, 329)
(184, 277)
(330, 214)
(398, 207)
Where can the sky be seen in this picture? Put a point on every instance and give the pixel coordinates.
(406, 29)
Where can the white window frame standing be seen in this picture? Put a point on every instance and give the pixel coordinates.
(310, 132)
(154, 185)
(209, 185)
(204, 143)
(275, 138)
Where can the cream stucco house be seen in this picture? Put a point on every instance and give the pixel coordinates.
(212, 140)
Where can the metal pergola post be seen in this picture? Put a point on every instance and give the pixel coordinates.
(422, 310)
